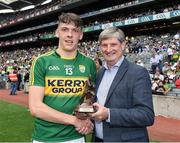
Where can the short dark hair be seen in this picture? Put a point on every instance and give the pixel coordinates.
(99, 61)
(71, 18)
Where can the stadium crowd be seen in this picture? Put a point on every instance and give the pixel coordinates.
(101, 20)
(159, 54)
(54, 5)
(121, 16)
(38, 10)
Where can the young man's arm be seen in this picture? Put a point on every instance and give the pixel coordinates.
(43, 111)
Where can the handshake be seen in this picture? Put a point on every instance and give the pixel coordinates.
(88, 110)
(84, 124)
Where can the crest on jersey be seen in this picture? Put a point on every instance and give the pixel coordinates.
(82, 68)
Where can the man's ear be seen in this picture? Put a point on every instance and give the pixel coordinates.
(81, 36)
(57, 33)
(123, 45)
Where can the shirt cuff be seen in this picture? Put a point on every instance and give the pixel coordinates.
(108, 119)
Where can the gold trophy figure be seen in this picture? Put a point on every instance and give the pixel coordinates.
(86, 106)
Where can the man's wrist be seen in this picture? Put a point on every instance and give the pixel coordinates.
(73, 120)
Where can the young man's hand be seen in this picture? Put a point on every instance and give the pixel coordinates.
(84, 126)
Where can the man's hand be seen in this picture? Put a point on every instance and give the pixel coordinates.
(84, 126)
(101, 114)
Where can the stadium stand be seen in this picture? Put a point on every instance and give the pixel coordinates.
(151, 26)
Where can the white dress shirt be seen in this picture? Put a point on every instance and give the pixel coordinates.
(103, 90)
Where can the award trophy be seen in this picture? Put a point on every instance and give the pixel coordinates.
(86, 106)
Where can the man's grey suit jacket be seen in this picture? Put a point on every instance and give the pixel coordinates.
(130, 102)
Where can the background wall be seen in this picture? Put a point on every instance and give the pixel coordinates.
(168, 106)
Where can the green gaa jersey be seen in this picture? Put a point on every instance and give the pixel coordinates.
(64, 82)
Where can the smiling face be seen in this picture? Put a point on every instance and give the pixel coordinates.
(112, 50)
(69, 36)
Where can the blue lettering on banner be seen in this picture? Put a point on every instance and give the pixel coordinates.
(145, 18)
(175, 13)
(119, 23)
(148, 18)
(161, 16)
(97, 27)
(107, 25)
(131, 21)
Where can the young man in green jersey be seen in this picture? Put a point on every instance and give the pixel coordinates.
(57, 82)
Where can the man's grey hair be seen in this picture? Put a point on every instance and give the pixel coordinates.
(112, 32)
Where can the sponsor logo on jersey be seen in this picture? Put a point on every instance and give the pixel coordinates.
(82, 68)
(65, 86)
(54, 68)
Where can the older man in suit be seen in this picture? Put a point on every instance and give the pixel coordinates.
(124, 97)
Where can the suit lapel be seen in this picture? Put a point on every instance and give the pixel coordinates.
(119, 75)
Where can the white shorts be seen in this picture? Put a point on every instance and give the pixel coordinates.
(80, 140)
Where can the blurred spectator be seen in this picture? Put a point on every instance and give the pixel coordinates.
(170, 53)
(19, 76)
(159, 57)
(157, 75)
(98, 63)
(139, 62)
(154, 87)
(160, 90)
(26, 76)
(167, 85)
(175, 56)
(166, 68)
(154, 61)
(177, 81)
(13, 80)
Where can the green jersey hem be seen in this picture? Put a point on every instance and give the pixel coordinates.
(57, 139)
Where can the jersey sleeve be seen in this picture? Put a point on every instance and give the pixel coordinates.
(37, 73)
